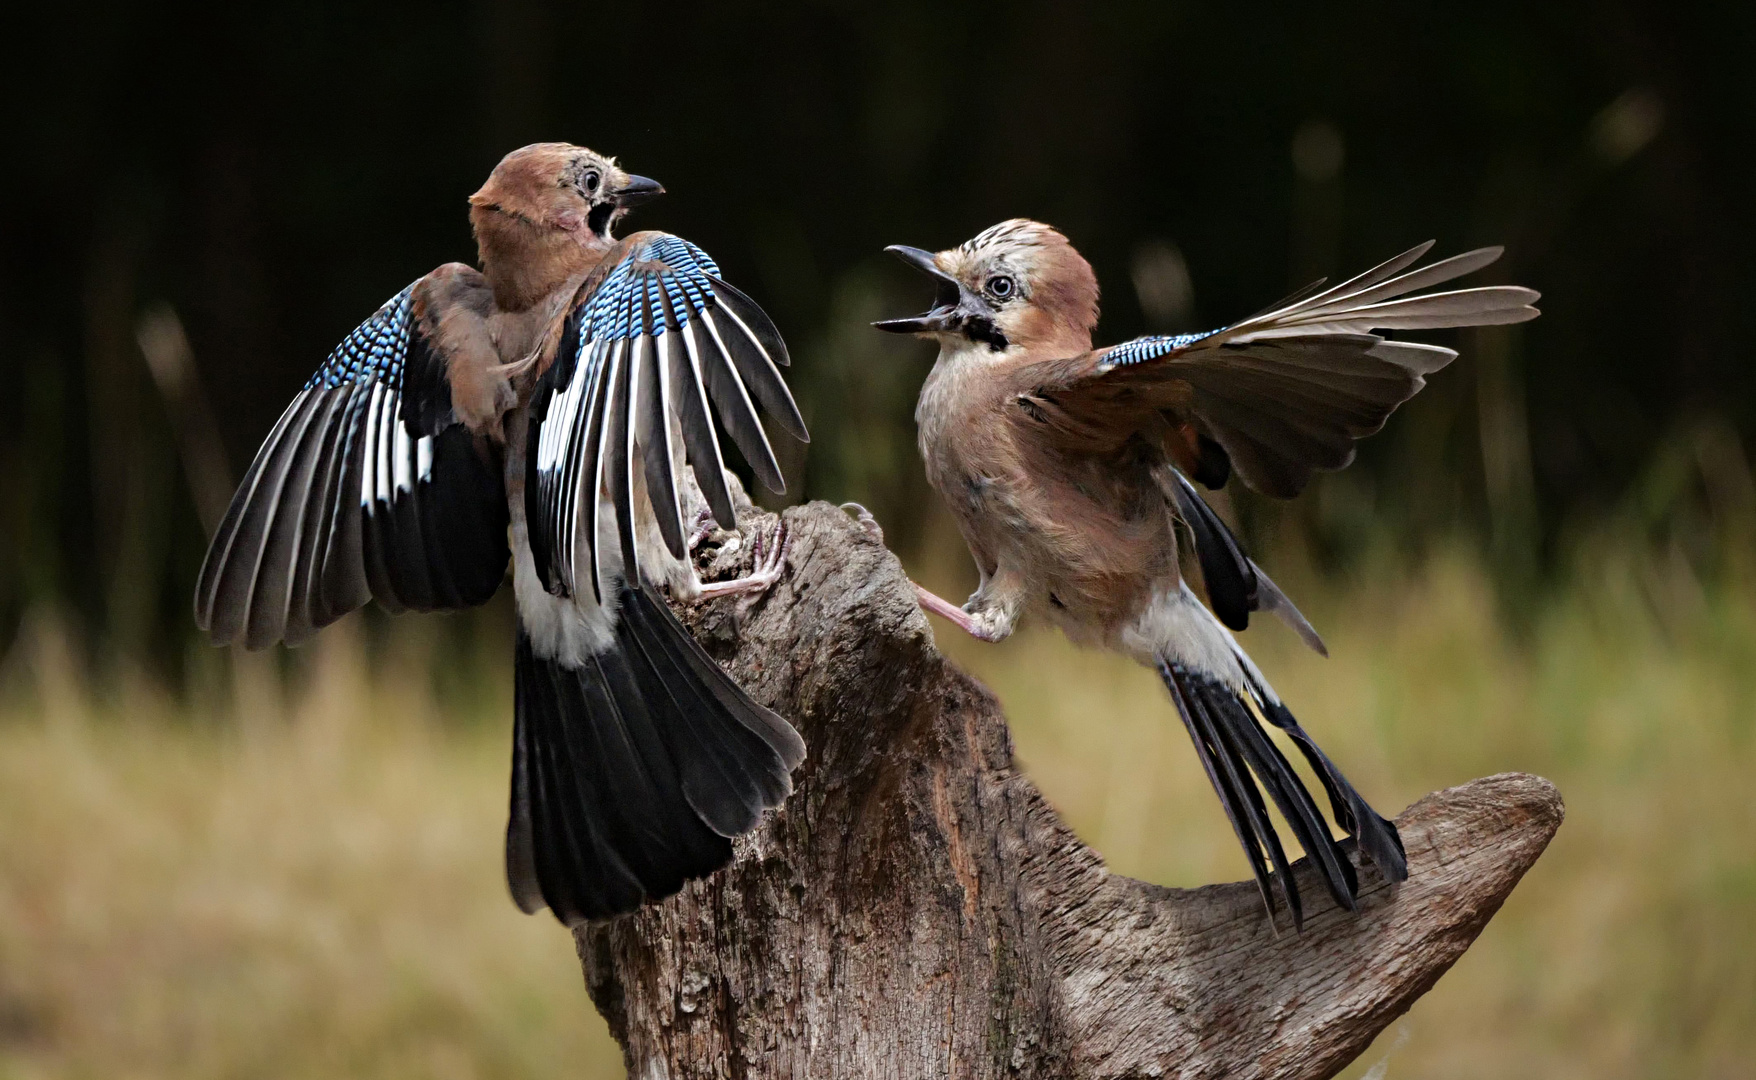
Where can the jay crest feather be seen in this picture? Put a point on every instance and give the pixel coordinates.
(1052, 275)
(1053, 302)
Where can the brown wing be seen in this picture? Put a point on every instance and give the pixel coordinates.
(1280, 394)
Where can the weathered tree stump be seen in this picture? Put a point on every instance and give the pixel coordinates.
(916, 909)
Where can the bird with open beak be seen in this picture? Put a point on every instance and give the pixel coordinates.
(552, 410)
(1069, 470)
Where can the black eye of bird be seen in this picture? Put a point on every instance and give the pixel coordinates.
(591, 181)
(1001, 287)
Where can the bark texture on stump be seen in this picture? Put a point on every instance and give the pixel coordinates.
(916, 909)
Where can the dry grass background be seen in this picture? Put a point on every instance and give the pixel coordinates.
(317, 891)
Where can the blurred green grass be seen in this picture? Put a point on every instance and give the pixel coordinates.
(314, 893)
(318, 891)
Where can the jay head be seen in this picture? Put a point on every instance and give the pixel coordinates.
(546, 213)
(1019, 286)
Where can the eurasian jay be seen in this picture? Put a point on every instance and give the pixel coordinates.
(1068, 470)
(552, 409)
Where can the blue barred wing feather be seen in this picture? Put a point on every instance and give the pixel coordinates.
(1143, 349)
(655, 347)
(365, 488)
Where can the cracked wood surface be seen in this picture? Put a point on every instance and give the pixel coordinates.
(916, 909)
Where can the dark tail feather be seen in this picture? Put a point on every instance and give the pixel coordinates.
(735, 757)
(1377, 836)
(1237, 754)
(630, 772)
(1237, 794)
(577, 874)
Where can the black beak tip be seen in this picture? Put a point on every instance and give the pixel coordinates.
(637, 190)
(915, 257)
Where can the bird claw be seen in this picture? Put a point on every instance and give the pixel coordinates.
(769, 552)
(769, 555)
(704, 526)
(866, 520)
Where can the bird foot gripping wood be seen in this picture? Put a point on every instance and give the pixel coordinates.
(929, 600)
(917, 909)
(769, 546)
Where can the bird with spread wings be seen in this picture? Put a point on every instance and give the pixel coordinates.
(556, 410)
(1071, 472)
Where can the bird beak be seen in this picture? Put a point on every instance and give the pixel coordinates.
(637, 190)
(953, 305)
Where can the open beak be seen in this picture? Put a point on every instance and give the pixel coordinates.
(954, 306)
(637, 190)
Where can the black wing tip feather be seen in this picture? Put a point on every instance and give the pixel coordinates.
(442, 544)
(754, 317)
(753, 325)
(1235, 585)
(251, 577)
(632, 772)
(297, 549)
(1229, 576)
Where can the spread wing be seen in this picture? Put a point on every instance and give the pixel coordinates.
(1282, 393)
(368, 486)
(655, 344)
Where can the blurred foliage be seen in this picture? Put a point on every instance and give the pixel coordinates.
(301, 877)
(272, 174)
(270, 882)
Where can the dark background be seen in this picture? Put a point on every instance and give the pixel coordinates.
(274, 176)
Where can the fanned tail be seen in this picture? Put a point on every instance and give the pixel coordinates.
(632, 768)
(1227, 706)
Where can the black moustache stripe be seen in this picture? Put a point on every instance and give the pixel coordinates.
(977, 328)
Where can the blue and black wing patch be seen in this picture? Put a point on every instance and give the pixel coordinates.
(1143, 349)
(655, 347)
(367, 488)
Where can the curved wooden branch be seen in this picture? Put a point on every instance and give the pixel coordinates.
(917, 909)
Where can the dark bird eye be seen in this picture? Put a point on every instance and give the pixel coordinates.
(591, 181)
(1001, 287)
